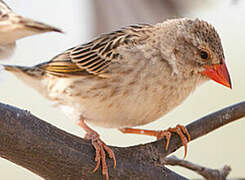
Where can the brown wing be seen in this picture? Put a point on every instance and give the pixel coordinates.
(96, 56)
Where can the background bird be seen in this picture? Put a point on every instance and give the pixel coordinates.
(131, 77)
(14, 27)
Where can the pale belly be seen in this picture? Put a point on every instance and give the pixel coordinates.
(125, 107)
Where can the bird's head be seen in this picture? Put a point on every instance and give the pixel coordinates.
(199, 46)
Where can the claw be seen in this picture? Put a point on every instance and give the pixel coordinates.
(100, 149)
(179, 129)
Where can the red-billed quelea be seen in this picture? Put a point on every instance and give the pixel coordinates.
(131, 77)
(14, 27)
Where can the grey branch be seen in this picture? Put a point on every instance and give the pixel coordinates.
(54, 154)
(207, 173)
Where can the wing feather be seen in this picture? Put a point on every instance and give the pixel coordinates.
(96, 56)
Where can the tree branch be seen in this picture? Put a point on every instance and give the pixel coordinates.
(207, 173)
(55, 154)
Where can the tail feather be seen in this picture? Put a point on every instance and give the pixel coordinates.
(38, 27)
(23, 27)
(13, 68)
(31, 76)
(10, 18)
(14, 26)
(32, 72)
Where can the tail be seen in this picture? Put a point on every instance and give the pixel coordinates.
(14, 26)
(33, 72)
(31, 76)
(18, 27)
(36, 27)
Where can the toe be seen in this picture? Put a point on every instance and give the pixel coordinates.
(186, 132)
(101, 148)
(97, 155)
(181, 130)
(111, 154)
(165, 134)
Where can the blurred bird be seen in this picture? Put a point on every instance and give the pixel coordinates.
(131, 77)
(14, 27)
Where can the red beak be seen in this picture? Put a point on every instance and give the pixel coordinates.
(218, 73)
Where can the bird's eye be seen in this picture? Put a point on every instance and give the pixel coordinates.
(204, 55)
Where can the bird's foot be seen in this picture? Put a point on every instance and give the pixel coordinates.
(100, 149)
(179, 129)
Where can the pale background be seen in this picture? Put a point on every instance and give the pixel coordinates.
(223, 146)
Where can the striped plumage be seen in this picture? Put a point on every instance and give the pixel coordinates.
(96, 56)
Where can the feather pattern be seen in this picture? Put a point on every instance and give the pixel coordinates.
(96, 56)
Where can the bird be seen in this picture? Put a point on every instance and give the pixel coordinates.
(14, 27)
(130, 77)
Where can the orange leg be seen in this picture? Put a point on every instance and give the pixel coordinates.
(179, 129)
(100, 148)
